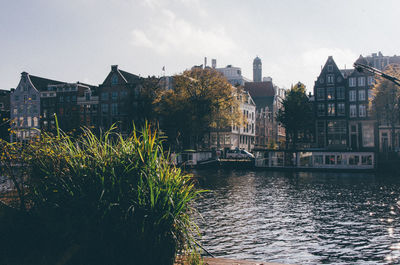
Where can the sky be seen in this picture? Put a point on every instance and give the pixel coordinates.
(78, 40)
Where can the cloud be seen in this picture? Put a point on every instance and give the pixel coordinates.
(168, 33)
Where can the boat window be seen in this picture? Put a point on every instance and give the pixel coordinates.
(330, 159)
(318, 159)
(366, 160)
(354, 159)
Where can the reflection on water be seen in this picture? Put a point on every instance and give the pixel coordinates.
(301, 218)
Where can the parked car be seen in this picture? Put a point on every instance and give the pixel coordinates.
(239, 154)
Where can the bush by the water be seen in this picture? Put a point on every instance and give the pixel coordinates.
(99, 200)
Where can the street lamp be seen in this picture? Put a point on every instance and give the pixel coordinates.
(361, 67)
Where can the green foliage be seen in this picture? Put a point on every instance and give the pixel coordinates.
(102, 200)
(202, 99)
(386, 100)
(296, 114)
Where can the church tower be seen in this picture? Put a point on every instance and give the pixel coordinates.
(257, 69)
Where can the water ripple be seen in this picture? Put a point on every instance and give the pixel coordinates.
(302, 218)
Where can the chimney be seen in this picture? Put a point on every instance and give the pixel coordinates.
(114, 67)
(205, 62)
(214, 63)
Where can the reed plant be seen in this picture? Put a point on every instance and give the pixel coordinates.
(106, 199)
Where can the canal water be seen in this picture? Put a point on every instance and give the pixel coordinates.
(300, 218)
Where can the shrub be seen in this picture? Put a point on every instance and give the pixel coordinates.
(104, 200)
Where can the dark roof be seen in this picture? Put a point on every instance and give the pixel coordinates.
(263, 93)
(41, 83)
(4, 92)
(130, 78)
(260, 89)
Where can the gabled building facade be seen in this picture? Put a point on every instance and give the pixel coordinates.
(236, 137)
(25, 107)
(343, 117)
(268, 99)
(330, 105)
(119, 100)
(36, 102)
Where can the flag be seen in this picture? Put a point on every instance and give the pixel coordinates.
(163, 68)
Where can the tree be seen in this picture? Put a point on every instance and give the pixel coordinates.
(296, 115)
(202, 99)
(386, 101)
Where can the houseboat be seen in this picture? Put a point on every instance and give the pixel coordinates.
(315, 160)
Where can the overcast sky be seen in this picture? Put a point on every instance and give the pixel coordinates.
(78, 40)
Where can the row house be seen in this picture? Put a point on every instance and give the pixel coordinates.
(241, 137)
(120, 100)
(343, 118)
(4, 114)
(268, 99)
(36, 101)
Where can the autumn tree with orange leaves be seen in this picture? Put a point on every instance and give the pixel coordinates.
(202, 100)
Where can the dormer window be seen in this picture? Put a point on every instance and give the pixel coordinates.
(114, 80)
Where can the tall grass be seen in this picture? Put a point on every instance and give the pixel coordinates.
(107, 200)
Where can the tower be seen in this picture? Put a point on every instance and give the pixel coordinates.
(257, 69)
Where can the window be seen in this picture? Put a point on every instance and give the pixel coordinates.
(340, 109)
(361, 81)
(35, 121)
(61, 99)
(114, 109)
(361, 94)
(66, 88)
(321, 110)
(340, 92)
(34, 97)
(318, 160)
(114, 95)
(67, 99)
(87, 95)
(16, 97)
(329, 159)
(104, 108)
(366, 160)
(104, 96)
(73, 98)
(353, 111)
(330, 93)
(330, 68)
(370, 80)
(354, 159)
(320, 93)
(29, 121)
(123, 94)
(331, 109)
(352, 82)
(362, 110)
(329, 79)
(15, 111)
(336, 133)
(114, 79)
(352, 95)
(368, 135)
